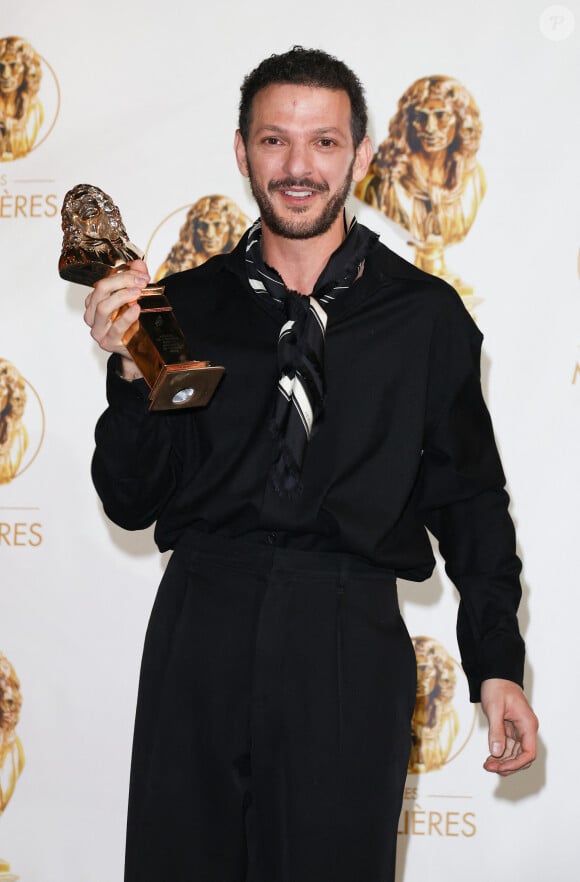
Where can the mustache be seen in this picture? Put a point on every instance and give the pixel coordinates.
(301, 183)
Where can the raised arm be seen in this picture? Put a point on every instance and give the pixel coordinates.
(135, 466)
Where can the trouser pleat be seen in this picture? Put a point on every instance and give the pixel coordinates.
(273, 723)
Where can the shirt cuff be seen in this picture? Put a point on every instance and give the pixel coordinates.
(126, 394)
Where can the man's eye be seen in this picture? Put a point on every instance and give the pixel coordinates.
(326, 142)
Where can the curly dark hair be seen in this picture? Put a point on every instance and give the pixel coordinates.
(305, 67)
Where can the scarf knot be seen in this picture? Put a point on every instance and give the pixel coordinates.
(299, 404)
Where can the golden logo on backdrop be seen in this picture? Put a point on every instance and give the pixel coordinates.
(21, 422)
(213, 225)
(576, 373)
(437, 723)
(425, 175)
(11, 751)
(29, 98)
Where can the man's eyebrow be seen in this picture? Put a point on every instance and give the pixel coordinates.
(321, 130)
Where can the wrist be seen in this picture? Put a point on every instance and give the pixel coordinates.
(129, 370)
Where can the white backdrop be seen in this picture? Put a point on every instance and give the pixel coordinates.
(140, 99)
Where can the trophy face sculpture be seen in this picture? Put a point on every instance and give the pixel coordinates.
(213, 225)
(95, 245)
(425, 175)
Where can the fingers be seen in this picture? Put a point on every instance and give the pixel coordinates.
(513, 727)
(497, 735)
(111, 307)
(517, 760)
(508, 760)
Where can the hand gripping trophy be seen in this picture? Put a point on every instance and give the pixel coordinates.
(95, 244)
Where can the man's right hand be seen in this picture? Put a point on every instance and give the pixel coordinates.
(118, 291)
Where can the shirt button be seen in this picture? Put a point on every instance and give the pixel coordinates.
(271, 538)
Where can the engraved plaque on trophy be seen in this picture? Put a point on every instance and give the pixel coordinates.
(95, 245)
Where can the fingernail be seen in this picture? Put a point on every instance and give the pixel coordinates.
(496, 748)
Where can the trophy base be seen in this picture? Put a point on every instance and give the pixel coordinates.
(183, 385)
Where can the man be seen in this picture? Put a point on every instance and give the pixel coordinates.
(278, 679)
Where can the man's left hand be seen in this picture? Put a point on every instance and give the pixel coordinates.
(513, 727)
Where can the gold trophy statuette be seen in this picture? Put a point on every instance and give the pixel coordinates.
(95, 245)
(425, 175)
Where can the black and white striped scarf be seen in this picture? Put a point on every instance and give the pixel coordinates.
(301, 387)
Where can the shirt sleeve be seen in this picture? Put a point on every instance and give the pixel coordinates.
(135, 467)
(463, 503)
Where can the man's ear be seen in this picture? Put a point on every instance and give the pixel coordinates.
(240, 151)
(362, 159)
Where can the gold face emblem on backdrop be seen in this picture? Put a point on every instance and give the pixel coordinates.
(436, 722)
(26, 119)
(213, 225)
(11, 752)
(425, 175)
(13, 434)
(21, 420)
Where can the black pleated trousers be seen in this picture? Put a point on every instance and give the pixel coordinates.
(273, 721)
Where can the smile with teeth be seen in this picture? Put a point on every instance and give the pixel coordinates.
(298, 194)
(297, 189)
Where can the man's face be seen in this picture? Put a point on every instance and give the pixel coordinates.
(300, 158)
(211, 233)
(434, 124)
(11, 73)
(90, 217)
(10, 704)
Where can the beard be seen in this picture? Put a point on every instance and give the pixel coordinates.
(300, 228)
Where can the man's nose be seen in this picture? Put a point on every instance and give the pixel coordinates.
(297, 160)
(431, 123)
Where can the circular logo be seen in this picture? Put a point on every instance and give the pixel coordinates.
(11, 752)
(444, 718)
(22, 423)
(557, 22)
(29, 98)
(192, 234)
